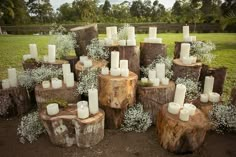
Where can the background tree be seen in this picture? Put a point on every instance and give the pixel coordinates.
(6, 11)
(106, 8)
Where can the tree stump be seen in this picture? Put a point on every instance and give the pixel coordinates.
(84, 35)
(45, 95)
(181, 70)
(66, 129)
(177, 48)
(131, 53)
(152, 98)
(233, 96)
(204, 107)
(72, 61)
(116, 94)
(150, 51)
(30, 66)
(218, 73)
(14, 101)
(57, 64)
(181, 137)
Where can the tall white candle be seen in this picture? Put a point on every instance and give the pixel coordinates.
(115, 71)
(209, 84)
(184, 115)
(185, 31)
(152, 32)
(108, 32)
(105, 71)
(27, 56)
(12, 77)
(151, 74)
(191, 108)
(214, 97)
(83, 58)
(124, 64)
(5, 84)
(180, 94)
(131, 33)
(33, 51)
(82, 109)
(185, 50)
(131, 42)
(46, 84)
(51, 53)
(56, 83)
(70, 82)
(124, 72)
(115, 55)
(173, 108)
(65, 70)
(204, 98)
(160, 70)
(93, 100)
(52, 109)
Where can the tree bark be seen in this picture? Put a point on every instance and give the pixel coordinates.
(233, 96)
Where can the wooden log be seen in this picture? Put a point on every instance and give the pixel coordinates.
(204, 107)
(233, 96)
(43, 96)
(181, 70)
(152, 98)
(72, 61)
(181, 137)
(14, 101)
(57, 63)
(30, 66)
(218, 73)
(177, 48)
(66, 129)
(150, 51)
(84, 35)
(131, 53)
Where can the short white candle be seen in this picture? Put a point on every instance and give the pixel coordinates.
(70, 82)
(131, 42)
(5, 84)
(173, 108)
(160, 70)
(156, 82)
(188, 39)
(152, 32)
(45, 58)
(46, 84)
(131, 33)
(144, 80)
(165, 81)
(122, 42)
(184, 115)
(51, 53)
(93, 100)
(191, 108)
(214, 97)
(185, 31)
(194, 59)
(83, 58)
(33, 51)
(124, 72)
(204, 98)
(184, 50)
(151, 74)
(105, 71)
(82, 109)
(56, 83)
(12, 77)
(208, 85)
(65, 70)
(155, 40)
(115, 71)
(115, 55)
(52, 109)
(187, 60)
(180, 94)
(124, 64)
(27, 56)
(108, 32)
(88, 63)
(194, 38)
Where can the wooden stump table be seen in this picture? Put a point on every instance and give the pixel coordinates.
(57, 63)
(181, 70)
(45, 95)
(178, 136)
(152, 98)
(66, 129)
(116, 94)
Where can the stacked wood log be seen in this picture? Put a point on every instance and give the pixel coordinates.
(150, 51)
(177, 49)
(178, 136)
(57, 63)
(152, 98)
(116, 94)
(66, 129)
(233, 96)
(181, 70)
(45, 95)
(84, 35)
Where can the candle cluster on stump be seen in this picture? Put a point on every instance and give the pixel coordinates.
(152, 36)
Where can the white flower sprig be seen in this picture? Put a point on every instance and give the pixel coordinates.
(123, 32)
(97, 50)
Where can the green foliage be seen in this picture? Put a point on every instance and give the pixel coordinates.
(96, 50)
(145, 84)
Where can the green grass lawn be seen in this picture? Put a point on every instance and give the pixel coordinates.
(12, 48)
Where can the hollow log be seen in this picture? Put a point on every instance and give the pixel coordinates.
(181, 70)
(150, 51)
(84, 35)
(57, 63)
(66, 129)
(30, 66)
(177, 49)
(233, 96)
(178, 136)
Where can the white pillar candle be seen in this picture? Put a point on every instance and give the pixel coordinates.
(160, 70)
(5, 84)
(46, 84)
(151, 74)
(88, 63)
(83, 58)
(194, 59)
(122, 42)
(144, 80)
(180, 94)
(214, 97)
(124, 72)
(115, 71)
(70, 82)
(194, 38)
(131, 33)
(115, 55)
(188, 39)
(51, 53)
(208, 85)
(82, 109)
(108, 32)
(185, 31)
(173, 108)
(45, 58)
(184, 115)
(184, 50)
(156, 82)
(105, 71)
(114, 32)
(191, 108)
(187, 60)
(27, 56)
(12, 77)
(33, 51)
(165, 81)
(65, 70)
(93, 100)
(52, 109)
(124, 64)
(204, 98)
(56, 83)
(131, 42)
(152, 32)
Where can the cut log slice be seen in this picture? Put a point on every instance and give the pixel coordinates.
(177, 49)
(66, 129)
(57, 63)
(178, 136)
(152, 98)
(181, 70)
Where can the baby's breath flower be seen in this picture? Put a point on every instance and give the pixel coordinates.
(96, 50)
